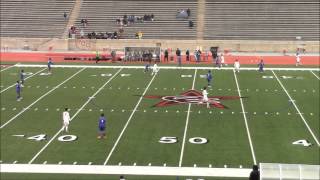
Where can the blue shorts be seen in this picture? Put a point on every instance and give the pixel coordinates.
(102, 129)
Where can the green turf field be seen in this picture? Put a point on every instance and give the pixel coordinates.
(276, 108)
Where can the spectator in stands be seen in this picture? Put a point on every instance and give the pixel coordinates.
(81, 34)
(178, 53)
(86, 22)
(190, 24)
(65, 16)
(188, 12)
(152, 17)
(187, 55)
(115, 35)
(255, 174)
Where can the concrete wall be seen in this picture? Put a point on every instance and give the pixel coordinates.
(44, 44)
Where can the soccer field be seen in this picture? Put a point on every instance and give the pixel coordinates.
(269, 117)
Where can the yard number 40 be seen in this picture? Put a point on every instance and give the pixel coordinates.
(64, 138)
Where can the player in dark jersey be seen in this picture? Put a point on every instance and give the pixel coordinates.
(102, 126)
(18, 91)
(22, 77)
(261, 65)
(49, 65)
(209, 78)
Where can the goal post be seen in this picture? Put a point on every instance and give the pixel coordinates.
(273, 171)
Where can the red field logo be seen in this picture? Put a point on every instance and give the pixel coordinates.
(193, 97)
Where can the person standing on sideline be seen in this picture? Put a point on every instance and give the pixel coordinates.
(102, 126)
(205, 98)
(18, 91)
(222, 60)
(187, 55)
(49, 65)
(66, 120)
(209, 78)
(22, 77)
(237, 65)
(255, 174)
(166, 55)
(298, 59)
(178, 53)
(261, 65)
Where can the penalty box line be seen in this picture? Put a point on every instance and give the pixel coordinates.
(24, 79)
(245, 120)
(79, 110)
(7, 68)
(294, 104)
(41, 97)
(128, 121)
(165, 67)
(187, 122)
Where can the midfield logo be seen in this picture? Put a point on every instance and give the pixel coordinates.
(193, 97)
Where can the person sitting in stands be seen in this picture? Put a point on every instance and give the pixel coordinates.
(115, 35)
(152, 17)
(188, 12)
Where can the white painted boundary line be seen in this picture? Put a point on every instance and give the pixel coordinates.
(130, 117)
(166, 67)
(187, 122)
(315, 75)
(14, 117)
(7, 68)
(24, 79)
(245, 120)
(129, 170)
(80, 109)
(294, 104)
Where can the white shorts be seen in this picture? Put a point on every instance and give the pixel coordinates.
(205, 99)
(66, 123)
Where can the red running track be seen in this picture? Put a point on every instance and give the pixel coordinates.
(229, 59)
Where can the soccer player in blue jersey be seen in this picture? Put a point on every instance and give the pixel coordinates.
(209, 78)
(102, 126)
(18, 91)
(261, 65)
(49, 65)
(22, 77)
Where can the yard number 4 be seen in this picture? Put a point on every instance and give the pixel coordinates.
(302, 142)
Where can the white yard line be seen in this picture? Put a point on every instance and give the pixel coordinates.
(79, 110)
(165, 67)
(315, 75)
(14, 117)
(187, 122)
(294, 104)
(129, 170)
(24, 79)
(130, 117)
(245, 120)
(7, 68)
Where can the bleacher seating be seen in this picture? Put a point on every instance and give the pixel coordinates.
(102, 14)
(262, 20)
(34, 18)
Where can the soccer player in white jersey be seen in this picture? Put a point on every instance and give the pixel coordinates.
(237, 65)
(66, 119)
(205, 98)
(155, 69)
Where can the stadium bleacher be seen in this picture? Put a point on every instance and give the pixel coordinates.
(34, 18)
(262, 20)
(223, 19)
(102, 16)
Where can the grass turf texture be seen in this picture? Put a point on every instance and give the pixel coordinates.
(272, 133)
